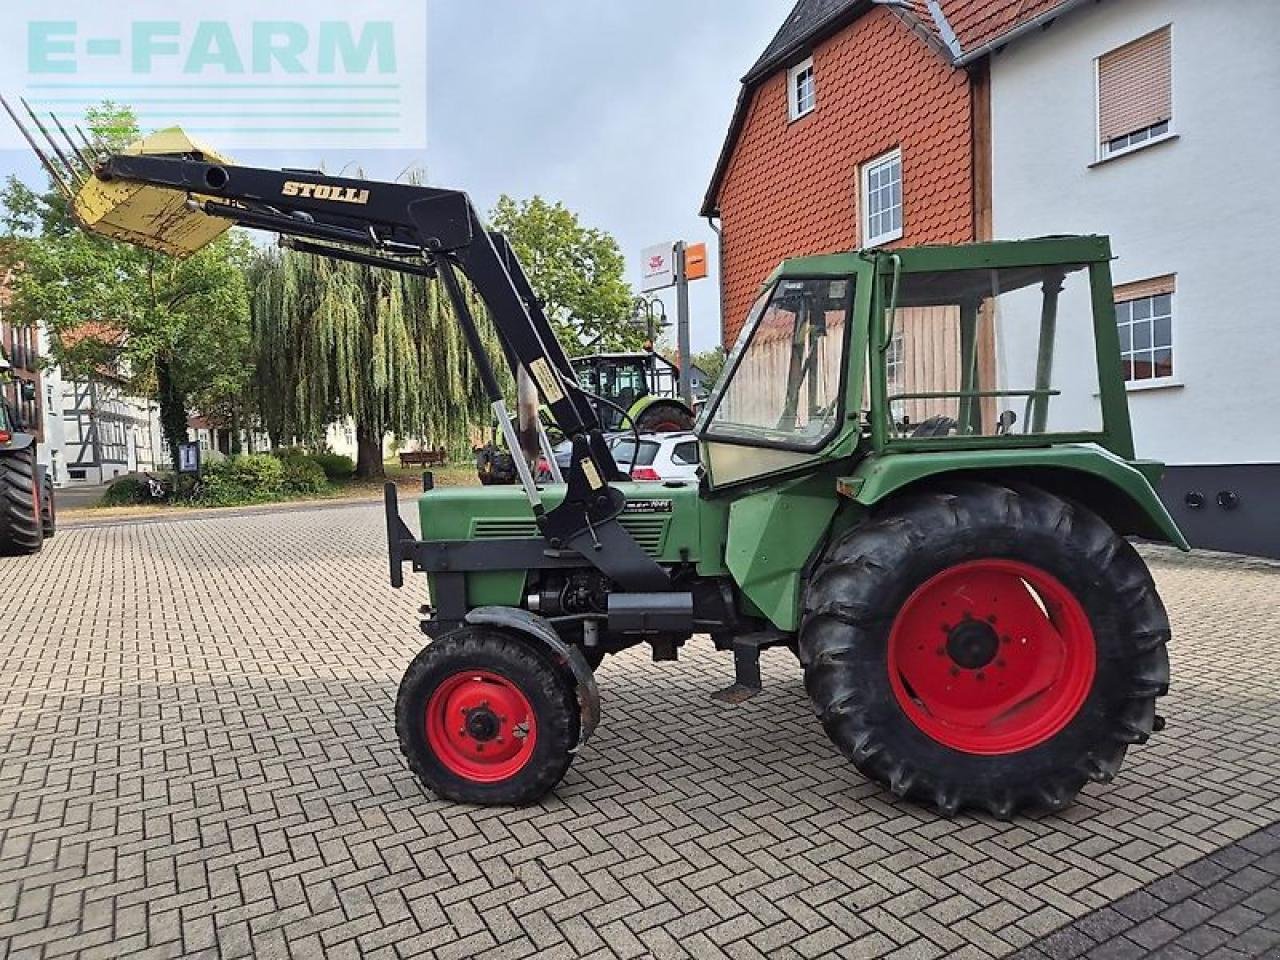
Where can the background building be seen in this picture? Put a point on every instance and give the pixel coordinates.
(870, 124)
(1161, 131)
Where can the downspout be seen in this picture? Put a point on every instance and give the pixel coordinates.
(1035, 23)
(711, 222)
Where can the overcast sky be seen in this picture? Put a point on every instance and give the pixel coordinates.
(617, 109)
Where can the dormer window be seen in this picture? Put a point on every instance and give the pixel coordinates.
(802, 92)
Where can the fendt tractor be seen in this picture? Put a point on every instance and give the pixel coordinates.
(635, 392)
(919, 476)
(27, 512)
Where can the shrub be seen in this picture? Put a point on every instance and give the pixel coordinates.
(259, 473)
(303, 475)
(125, 492)
(335, 465)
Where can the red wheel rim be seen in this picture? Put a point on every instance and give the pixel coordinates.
(481, 726)
(991, 657)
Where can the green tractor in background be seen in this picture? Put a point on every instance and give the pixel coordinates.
(27, 511)
(628, 391)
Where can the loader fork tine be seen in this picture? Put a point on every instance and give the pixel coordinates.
(76, 152)
(61, 184)
(70, 167)
(94, 146)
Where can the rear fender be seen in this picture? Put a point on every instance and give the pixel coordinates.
(538, 631)
(1118, 490)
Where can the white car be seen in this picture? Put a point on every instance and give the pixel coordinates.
(662, 456)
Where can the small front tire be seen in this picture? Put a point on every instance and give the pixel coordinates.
(485, 717)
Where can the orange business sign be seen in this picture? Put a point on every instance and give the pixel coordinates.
(695, 261)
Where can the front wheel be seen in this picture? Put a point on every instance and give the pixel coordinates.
(985, 647)
(483, 717)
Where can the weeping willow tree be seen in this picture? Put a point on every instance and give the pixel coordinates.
(337, 341)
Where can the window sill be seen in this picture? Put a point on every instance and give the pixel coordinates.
(1142, 386)
(881, 241)
(1136, 148)
(797, 117)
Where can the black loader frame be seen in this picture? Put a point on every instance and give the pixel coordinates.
(437, 232)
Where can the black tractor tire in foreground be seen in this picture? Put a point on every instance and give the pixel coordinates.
(665, 416)
(985, 646)
(21, 531)
(48, 508)
(485, 717)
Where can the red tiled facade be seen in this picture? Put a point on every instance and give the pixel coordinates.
(792, 188)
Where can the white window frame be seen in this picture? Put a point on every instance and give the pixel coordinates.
(795, 110)
(870, 239)
(1149, 383)
(1102, 151)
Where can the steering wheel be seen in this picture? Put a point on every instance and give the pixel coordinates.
(936, 427)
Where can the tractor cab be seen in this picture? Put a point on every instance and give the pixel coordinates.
(999, 345)
(634, 388)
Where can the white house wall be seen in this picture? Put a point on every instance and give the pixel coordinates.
(1203, 206)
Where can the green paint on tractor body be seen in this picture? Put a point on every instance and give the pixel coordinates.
(839, 441)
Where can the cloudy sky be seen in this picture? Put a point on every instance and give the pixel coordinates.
(617, 109)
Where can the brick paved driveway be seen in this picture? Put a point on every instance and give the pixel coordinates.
(197, 758)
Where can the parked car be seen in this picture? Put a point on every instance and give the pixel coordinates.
(661, 456)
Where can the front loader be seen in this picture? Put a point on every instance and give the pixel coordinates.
(919, 477)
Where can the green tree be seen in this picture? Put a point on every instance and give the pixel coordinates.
(177, 328)
(712, 363)
(577, 271)
(336, 341)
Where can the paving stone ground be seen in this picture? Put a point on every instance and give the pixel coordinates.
(197, 758)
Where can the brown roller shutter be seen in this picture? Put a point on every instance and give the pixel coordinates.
(1154, 287)
(1135, 86)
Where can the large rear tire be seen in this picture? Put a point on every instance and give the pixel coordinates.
(665, 416)
(484, 717)
(21, 531)
(48, 508)
(985, 647)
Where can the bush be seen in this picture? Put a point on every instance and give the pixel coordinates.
(335, 465)
(303, 475)
(260, 473)
(125, 492)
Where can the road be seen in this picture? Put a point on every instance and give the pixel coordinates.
(197, 758)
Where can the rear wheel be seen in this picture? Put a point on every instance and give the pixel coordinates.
(48, 509)
(985, 647)
(21, 530)
(485, 718)
(665, 416)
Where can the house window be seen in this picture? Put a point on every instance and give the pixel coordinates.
(1144, 316)
(802, 92)
(894, 364)
(1135, 93)
(882, 199)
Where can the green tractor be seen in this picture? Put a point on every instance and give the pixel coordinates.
(639, 390)
(27, 512)
(628, 391)
(919, 477)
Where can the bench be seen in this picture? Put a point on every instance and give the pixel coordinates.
(423, 458)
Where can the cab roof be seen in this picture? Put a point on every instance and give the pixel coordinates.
(988, 255)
